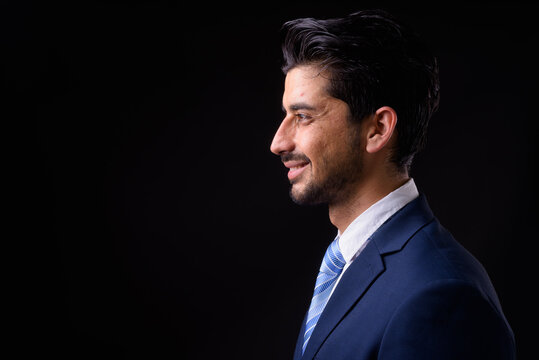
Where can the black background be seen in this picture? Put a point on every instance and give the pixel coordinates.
(153, 220)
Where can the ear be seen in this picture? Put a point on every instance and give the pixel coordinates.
(380, 128)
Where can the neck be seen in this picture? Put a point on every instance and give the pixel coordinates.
(360, 197)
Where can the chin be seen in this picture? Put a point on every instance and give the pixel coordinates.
(307, 195)
(296, 195)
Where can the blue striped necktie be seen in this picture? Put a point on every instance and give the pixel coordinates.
(331, 268)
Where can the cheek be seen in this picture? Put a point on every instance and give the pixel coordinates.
(333, 156)
(306, 143)
(325, 147)
(319, 146)
(323, 156)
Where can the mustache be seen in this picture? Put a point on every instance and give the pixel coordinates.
(294, 157)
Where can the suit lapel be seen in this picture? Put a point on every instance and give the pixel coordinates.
(390, 237)
(351, 287)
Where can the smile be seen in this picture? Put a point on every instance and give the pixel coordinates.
(296, 169)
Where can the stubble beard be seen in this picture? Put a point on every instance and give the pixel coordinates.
(336, 182)
(330, 190)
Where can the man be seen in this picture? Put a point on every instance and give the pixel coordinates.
(394, 284)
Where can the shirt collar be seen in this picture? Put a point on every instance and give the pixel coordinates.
(356, 235)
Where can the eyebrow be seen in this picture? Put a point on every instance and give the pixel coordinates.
(299, 106)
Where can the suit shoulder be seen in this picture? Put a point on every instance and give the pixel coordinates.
(432, 255)
(448, 258)
(447, 319)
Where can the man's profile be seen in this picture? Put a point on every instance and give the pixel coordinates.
(394, 284)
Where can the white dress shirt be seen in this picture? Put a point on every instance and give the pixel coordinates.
(355, 237)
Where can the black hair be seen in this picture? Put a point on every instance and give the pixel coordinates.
(373, 61)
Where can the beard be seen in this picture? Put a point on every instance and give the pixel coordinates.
(336, 175)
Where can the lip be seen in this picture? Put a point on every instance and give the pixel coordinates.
(296, 168)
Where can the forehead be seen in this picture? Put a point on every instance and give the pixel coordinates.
(305, 82)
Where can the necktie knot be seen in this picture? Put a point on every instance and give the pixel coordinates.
(333, 261)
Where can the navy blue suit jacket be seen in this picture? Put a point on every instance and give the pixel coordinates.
(412, 293)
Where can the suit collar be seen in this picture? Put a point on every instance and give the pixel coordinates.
(390, 237)
(361, 229)
(354, 282)
(397, 230)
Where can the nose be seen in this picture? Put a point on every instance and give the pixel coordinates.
(283, 141)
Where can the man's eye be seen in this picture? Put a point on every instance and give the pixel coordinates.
(302, 117)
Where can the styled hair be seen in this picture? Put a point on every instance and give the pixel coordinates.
(372, 61)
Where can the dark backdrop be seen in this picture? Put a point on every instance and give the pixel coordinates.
(155, 221)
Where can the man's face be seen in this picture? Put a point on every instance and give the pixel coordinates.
(316, 139)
